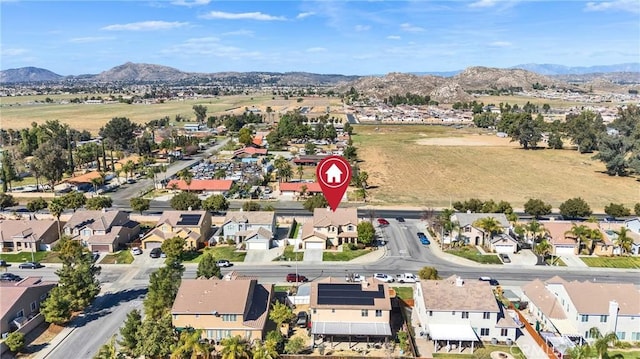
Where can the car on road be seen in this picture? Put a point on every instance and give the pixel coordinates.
(355, 277)
(136, 251)
(383, 222)
(30, 265)
(292, 277)
(223, 263)
(490, 280)
(423, 238)
(4, 263)
(10, 277)
(302, 319)
(155, 253)
(400, 219)
(383, 277)
(406, 278)
(505, 258)
(95, 256)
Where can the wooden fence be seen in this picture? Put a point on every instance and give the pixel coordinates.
(536, 336)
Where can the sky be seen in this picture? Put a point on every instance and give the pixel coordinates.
(329, 37)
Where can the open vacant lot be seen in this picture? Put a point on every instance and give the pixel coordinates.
(432, 165)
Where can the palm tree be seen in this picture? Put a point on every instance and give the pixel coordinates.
(300, 172)
(235, 348)
(578, 232)
(285, 172)
(602, 342)
(109, 351)
(190, 346)
(542, 249)
(264, 350)
(536, 231)
(594, 236)
(56, 207)
(623, 240)
(580, 352)
(186, 176)
(488, 225)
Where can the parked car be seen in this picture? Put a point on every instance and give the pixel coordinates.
(10, 277)
(490, 280)
(355, 277)
(302, 320)
(292, 277)
(383, 222)
(223, 263)
(136, 251)
(95, 256)
(505, 258)
(155, 253)
(400, 219)
(383, 277)
(30, 265)
(406, 278)
(4, 263)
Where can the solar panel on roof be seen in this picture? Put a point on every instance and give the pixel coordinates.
(189, 219)
(347, 294)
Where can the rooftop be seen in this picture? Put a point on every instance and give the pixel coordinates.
(451, 295)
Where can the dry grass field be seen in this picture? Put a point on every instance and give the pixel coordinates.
(432, 165)
(554, 103)
(20, 112)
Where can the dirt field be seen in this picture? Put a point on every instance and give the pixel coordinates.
(432, 165)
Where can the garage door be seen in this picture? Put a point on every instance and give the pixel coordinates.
(257, 245)
(504, 249)
(564, 251)
(152, 245)
(314, 245)
(100, 248)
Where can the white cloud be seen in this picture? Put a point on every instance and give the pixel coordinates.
(362, 28)
(393, 37)
(483, 3)
(145, 26)
(238, 33)
(241, 16)
(302, 15)
(13, 52)
(410, 28)
(209, 46)
(190, 3)
(622, 5)
(500, 44)
(82, 40)
(316, 49)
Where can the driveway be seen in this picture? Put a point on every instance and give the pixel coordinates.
(573, 261)
(263, 255)
(313, 255)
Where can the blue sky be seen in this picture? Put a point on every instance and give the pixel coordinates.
(344, 37)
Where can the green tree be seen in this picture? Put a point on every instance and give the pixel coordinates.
(428, 273)
(526, 130)
(489, 225)
(285, 173)
(535, 231)
(614, 151)
(207, 267)
(623, 240)
(350, 153)
(50, 162)
(575, 208)
(235, 348)
(250, 206)
(187, 177)
(56, 207)
(294, 345)
(281, 313)
(8, 171)
(215, 203)
(617, 210)
(300, 171)
(584, 129)
(190, 346)
(201, 112)
(245, 136)
(157, 337)
(120, 132)
(403, 340)
(542, 250)
(56, 308)
(264, 350)
(163, 287)
(15, 341)
(537, 207)
(7, 200)
(315, 201)
(366, 233)
(99, 202)
(174, 249)
(636, 209)
(140, 204)
(109, 351)
(36, 205)
(580, 352)
(602, 342)
(347, 128)
(74, 200)
(185, 200)
(78, 275)
(129, 333)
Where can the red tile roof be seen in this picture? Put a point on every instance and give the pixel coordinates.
(251, 151)
(202, 185)
(313, 187)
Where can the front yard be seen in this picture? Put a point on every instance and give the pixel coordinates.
(42, 256)
(122, 257)
(219, 252)
(612, 262)
(471, 253)
(344, 256)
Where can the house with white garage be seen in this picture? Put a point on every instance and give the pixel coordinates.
(503, 243)
(330, 228)
(470, 233)
(255, 228)
(102, 230)
(573, 308)
(563, 242)
(193, 226)
(458, 314)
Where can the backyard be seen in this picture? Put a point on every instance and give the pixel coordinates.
(484, 352)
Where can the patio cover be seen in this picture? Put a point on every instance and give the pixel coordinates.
(453, 332)
(564, 326)
(362, 329)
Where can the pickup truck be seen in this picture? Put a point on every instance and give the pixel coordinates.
(406, 278)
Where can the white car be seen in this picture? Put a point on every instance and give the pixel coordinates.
(354, 278)
(406, 278)
(383, 277)
(136, 251)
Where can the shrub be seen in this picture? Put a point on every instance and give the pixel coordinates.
(230, 241)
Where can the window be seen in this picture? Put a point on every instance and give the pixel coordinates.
(247, 334)
(504, 332)
(364, 312)
(333, 310)
(314, 310)
(465, 315)
(209, 333)
(603, 318)
(486, 315)
(484, 331)
(175, 316)
(229, 317)
(33, 306)
(453, 313)
(635, 336)
(585, 318)
(620, 335)
(378, 313)
(197, 315)
(20, 314)
(431, 313)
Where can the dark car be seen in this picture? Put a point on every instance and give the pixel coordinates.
(155, 253)
(292, 277)
(95, 256)
(490, 280)
(505, 258)
(4, 263)
(10, 277)
(30, 265)
(302, 320)
(399, 219)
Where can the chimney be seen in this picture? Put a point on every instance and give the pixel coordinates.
(365, 284)
(614, 308)
(459, 282)
(189, 209)
(104, 210)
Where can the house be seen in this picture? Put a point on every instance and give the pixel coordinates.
(474, 235)
(458, 312)
(212, 186)
(249, 152)
(573, 308)
(223, 308)
(20, 304)
(295, 189)
(564, 243)
(503, 243)
(27, 235)
(634, 232)
(193, 226)
(348, 310)
(102, 231)
(330, 228)
(308, 160)
(255, 228)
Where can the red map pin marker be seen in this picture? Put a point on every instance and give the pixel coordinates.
(334, 175)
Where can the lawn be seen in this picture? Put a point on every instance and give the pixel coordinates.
(404, 292)
(219, 252)
(430, 166)
(557, 261)
(296, 230)
(625, 354)
(474, 255)
(484, 352)
(344, 256)
(612, 262)
(42, 256)
(122, 257)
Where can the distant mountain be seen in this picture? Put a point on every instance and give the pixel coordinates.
(28, 74)
(552, 69)
(438, 73)
(131, 72)
(486, 78)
